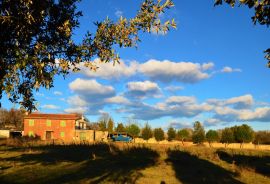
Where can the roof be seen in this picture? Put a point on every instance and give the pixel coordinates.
(53, 116)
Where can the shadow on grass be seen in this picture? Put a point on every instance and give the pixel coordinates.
(191, 169)
(259, 164)
(97, 163)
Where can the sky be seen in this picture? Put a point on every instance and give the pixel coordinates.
(210, 69)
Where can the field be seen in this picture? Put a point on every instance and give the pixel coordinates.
(131, 163)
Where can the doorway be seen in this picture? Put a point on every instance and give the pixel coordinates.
(49, 135)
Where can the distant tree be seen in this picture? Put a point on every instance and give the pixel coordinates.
(94, 126)
(244, 134)
(133, 130)
(12, 118)
(212, 136)
(183, 135)
(159, 134)
(227, 136)
(110, 125)
(171, 134)
(102, 125)
(120, 128)
(198, 133)
(147, 132)
(262, 137)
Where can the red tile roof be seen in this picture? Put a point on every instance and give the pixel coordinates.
(53, 116)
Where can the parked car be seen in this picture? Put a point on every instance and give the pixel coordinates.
(122, 137)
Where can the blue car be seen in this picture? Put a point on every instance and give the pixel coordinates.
(121, 137)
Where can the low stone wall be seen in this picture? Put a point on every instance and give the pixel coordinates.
(91, 135)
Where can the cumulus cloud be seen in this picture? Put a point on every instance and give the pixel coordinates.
(91, 88)
(167, 71)
(207, 66)
(80, 110)
(50, 106)
(117, 100)
(240, 102)
(228, 69)
(110, 71)
(143, 89)
(177, 106)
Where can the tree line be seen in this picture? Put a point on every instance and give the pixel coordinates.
(235, 134)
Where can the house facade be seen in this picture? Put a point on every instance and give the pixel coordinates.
(51, 126)
(65, 127)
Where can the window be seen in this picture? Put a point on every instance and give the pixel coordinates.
(62, 123)
(62, 134)
(31, 122)
(31, 134)
(48, 123)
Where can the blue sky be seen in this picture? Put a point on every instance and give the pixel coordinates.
(211, 69)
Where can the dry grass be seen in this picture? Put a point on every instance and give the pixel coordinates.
(40, 162)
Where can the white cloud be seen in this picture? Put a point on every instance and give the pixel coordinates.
(174, 88)
(117, 100)
(118, 13)
(59, 93)
(228, 69)
(207, 66)
(91, 88)
(80, 110)
(143, 89)
(77, 101)
(181, 100)
(240, 102)
(166, 71)
(110, 71)
(50, 106)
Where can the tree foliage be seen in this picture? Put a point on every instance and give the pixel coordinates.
(227, 136)
(261, 13)
(120, 128)
(243, 134)
(133, 130)
(110, 125)
(198, 133)
(159, 134)
(36, 42)
(183, 135)
(11, 119)
(171, 134)
(262, 137)
(147, 132)
(212, 136)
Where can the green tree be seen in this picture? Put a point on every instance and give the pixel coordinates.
(227, 136)
(37, 42)
(120, 128)
(159, 134)
(110, 125)
(183, 134)
(171, 134)
(244, 134)
(147, 132)
(133, 130)
(198, 133)
(102, 125)
(262, 137)
(261, 13)
(212, 136)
